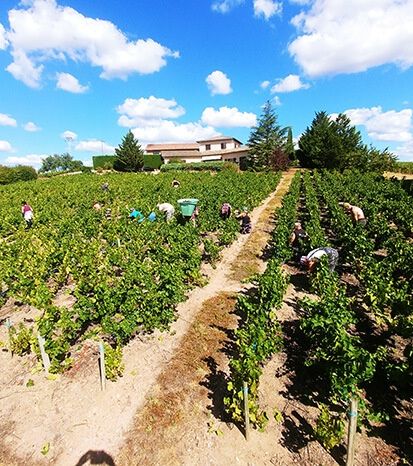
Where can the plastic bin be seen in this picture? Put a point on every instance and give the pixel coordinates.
(187, 206)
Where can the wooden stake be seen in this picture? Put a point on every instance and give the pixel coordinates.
(102, 366)
(45, 356)
(118, 243)
(246, 410)
(352, 428)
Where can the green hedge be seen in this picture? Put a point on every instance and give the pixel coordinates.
(195, 166)
(14, 174)
(152, 161)
(103, 161)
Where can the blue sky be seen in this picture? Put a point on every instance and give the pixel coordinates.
(76, 75)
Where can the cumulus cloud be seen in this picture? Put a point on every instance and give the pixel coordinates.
(31, 127)
(3, 40)
(42, 30)
(265, 84)
(170, 131)
(289, 84)
(6, 120)
(69, 135)
(147, 111)
(383, 126)
(224, 6)
(33, 160)
(405, 151)
(68, 82)
(353, 36)
(218, 83)
(226, 117)
(95, 146)
(5, 146)
(267, 8)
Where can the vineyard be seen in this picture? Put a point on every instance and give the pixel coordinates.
(333, 336)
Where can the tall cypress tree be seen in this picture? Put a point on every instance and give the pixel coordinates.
(265, 138)
(129, 154)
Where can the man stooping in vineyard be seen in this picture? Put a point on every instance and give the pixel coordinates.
(313, 257)
(356, 213)
(169, 210)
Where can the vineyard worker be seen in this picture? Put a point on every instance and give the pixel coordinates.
(105, 186)
(226, 210)
(27, 213)
(152, 217)
(97, 206)
(245, 222)
(175, 183)
(356, 214)
(136, 215)
(313, 257)
(298, 236)
(168, 209)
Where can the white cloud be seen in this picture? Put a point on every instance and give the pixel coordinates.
(170, 131)
(147, 111)
(405, 151)
(46, 31)
(267, 8)
(3, 40)
(265, 84)
(95, 146)
(353, 36)
(5, 146)
(383, 126)
(228, 117)
(68, 82)
(276, 100)
(31, 127)
(289, 84)
(69, 135)
(218, 83)
(6, 120)
(33, 160)
(224, 6)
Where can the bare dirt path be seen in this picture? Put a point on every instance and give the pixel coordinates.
(70, 421)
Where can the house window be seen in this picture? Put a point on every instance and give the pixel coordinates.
(223, 145)
(207, 146)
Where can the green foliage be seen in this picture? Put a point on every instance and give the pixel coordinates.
(129, 154)
(265, 138)
(336, 144)
(114, 366)
(57, 163)
(152, 161)
(21, 339)
(289, 145)
(194, 166)
(329, 429)
(103, 161)
(14, 174)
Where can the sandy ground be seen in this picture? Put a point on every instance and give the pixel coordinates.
(70, 420)
(399, 176)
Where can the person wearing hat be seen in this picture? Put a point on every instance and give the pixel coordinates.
(298, 239)
(313, 257)
(356, 214)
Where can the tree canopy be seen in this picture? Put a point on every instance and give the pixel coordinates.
(129, 154)
(266, 138)
(336, 143)
(61, 162)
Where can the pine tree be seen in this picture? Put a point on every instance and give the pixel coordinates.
(289, 145)
(265, 138)
(129, 154)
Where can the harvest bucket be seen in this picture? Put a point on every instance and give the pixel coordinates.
(187, 206)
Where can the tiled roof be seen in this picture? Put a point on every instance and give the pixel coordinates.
(184, 146)
(219, 138)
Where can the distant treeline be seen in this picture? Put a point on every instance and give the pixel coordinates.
(404, 167)
(14, 174)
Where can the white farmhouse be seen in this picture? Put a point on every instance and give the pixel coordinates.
(223, 148)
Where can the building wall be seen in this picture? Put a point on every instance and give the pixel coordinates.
(217, 146)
